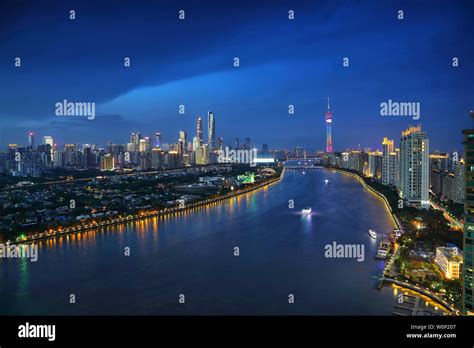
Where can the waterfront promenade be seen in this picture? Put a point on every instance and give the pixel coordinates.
(389, 275)
(93, 224)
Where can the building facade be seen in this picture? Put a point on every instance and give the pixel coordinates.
(449, 261)
(414, 168)
(468, 240)
(387, 149)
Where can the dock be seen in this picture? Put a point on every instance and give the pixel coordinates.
(411, 304)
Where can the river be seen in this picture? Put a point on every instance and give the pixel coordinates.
(281, 252)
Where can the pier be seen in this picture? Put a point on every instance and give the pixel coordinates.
(411, 304)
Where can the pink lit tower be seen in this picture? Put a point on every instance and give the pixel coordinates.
(328, 130)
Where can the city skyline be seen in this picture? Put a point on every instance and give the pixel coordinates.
(254, 159)
(393, 166)
(374, 144)
(200, 135)
(249, 159)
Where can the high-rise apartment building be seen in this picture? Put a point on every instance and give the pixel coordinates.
(387, 149)
(107, 162)
(414, 167)
(374, 164)
(468, 240)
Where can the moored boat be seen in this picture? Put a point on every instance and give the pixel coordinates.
(373, 234)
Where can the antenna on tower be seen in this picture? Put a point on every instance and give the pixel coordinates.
(328, 103)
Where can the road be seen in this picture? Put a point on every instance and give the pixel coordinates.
(452, 220)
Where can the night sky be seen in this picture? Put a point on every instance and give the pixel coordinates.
(282, 62)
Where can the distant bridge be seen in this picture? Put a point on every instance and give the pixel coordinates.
(303, 163)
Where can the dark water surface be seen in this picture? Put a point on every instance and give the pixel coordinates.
(281, 253)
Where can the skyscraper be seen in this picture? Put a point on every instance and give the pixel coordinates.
(144, 144)
(328, 130)
(107, 162)
(183, 136)
(158, 140)
(157, 158)
(395, 168)
(48, 140)
(182, 141)
(375, 164)
(135, 141)
(199, 130)
(414, 167)
(387, 149)
(211, 124)
(195, 143)
(31, 139)
(468, 240)
(458, 190)
(202, 154)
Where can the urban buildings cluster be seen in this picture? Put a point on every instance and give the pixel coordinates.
(410, 168)
(406, 165)
(140, 153)
(415, 173)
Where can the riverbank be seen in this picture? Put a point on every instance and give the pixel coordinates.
(386, 278)
(439, 301)
(193, 253)
(380, 195)
(144, 215)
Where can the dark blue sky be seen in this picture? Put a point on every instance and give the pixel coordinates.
(190, 62)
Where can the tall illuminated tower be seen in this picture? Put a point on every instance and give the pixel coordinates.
(211, 125)
(31, 139)
(199, 130)
(328, 130)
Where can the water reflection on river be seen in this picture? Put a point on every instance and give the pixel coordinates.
(192, 253)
